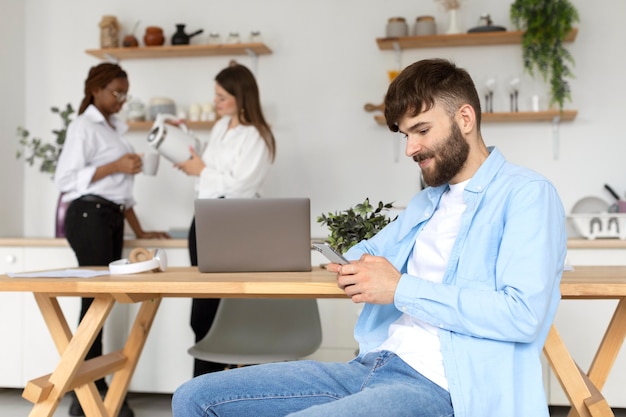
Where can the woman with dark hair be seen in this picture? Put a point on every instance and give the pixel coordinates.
(95, 173)
(234, 164)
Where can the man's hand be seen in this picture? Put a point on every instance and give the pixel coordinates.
(371, 279)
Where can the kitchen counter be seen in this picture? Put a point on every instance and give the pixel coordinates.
(575, 243)
(60, 242)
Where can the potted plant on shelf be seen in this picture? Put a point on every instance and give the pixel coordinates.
(349, 227)
(34, 149)
(546, 23)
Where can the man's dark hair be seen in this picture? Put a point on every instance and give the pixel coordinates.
(424, 83)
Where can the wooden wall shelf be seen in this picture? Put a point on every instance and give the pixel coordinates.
(146, 126)
(530, 116)
(180, 51)
(461, 39)
(522, 116)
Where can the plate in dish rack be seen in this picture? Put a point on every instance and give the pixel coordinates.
(590, 205)
(600, 225)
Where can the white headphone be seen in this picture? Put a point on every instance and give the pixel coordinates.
(141, 260)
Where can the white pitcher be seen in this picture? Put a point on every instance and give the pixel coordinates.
(173, 142)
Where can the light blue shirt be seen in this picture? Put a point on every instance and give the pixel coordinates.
(499, 293)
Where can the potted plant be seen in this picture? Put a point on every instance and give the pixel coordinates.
(34, 149)
(546, 23)
(349, 227)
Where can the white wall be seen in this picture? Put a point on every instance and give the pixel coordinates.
(324, 68)
(12, 114)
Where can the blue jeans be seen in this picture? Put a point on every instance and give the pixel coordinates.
(378, 384)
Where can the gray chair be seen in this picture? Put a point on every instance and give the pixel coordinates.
(252, 331)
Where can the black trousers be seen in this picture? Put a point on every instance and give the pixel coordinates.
(95, 232)
(202, 311)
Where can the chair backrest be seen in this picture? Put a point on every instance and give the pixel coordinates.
(251, 331)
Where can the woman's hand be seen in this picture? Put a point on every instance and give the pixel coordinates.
(153, 235)
(194, 165)
(129, 163)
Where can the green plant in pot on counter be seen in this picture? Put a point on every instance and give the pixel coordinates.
(349, 227)
(35, 148)
(546, 23)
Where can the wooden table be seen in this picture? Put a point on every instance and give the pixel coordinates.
(584, 389)
(74, 373)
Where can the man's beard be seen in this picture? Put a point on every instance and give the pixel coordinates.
(448, 158)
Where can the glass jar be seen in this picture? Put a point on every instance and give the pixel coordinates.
(255, 37)
(233, 37)
(396, 27)
(424, 25)
(109, 30)
(215, 38)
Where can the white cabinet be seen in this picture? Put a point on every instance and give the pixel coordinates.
(27, 350)
(581, 324)
(11, 324)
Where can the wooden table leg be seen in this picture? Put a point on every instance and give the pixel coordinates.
(608, 350)
(609, 347)
(72, 350)
(586, 399)
(47, 392)
(132, 351)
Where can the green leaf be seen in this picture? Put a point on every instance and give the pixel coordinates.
(349, 227)
(545, 24)
(34, 148)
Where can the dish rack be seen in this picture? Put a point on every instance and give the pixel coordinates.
(600, 225)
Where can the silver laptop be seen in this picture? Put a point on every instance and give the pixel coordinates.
(253, 234)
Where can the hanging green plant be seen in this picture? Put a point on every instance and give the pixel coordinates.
(34, 148)
(349, 227)
(546, 23)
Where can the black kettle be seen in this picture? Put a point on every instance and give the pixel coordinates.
(181, 38)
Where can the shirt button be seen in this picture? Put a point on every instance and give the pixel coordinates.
(98, 205)
(404, 308)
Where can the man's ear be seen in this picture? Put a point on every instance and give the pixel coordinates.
(466, 117)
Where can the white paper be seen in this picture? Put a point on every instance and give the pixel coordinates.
(65, 273)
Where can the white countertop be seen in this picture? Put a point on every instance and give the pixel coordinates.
(576, 243)
(60, 242)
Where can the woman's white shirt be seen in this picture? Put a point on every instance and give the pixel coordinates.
(237, 162)
(91, 142)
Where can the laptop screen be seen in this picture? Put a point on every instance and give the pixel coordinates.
(253, 234)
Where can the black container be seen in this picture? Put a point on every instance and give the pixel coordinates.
(181, 38)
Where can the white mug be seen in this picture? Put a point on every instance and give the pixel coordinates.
(150, 163)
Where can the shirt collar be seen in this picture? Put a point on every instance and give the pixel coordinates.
(487, 171)
(93, 114)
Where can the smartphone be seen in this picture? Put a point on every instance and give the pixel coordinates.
(330, 253)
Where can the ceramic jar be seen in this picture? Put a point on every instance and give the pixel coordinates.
(396, 27)
(109, 30)
(153, 36)
(424, 25)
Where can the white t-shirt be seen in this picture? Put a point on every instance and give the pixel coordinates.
(413, 340)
